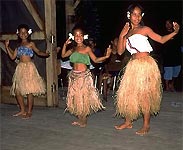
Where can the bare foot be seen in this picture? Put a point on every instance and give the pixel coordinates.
(123, 126)
(82, 125)
(27, 116)
(19, 114)
(75, 123)
(143, 131)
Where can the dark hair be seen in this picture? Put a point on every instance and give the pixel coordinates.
(169, 20)
(132, 7)
(25, 26)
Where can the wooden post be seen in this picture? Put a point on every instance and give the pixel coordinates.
(50, 29)
(69, 14)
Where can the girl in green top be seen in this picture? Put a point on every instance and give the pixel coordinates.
(82, 96)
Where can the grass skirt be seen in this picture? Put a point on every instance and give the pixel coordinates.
(140, 89)
(82, 97)
(26, 80)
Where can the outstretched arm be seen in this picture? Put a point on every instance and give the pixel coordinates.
(99, 59)
(165, 38)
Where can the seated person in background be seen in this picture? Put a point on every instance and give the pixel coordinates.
(95, 68)
(112, 68)
(63, 67)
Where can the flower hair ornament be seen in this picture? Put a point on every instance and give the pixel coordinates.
(71, 37)
(29, 31)
(85, 36)
(128, 14)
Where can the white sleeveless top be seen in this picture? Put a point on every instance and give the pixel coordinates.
(138, 43)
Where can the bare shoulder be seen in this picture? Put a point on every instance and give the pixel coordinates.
(146, 30)
(32, 44)
(88, 49)
(145, 27)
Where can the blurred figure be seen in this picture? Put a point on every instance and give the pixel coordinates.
(111, 70)
(95, 68)
(64, 67)
(171, 58)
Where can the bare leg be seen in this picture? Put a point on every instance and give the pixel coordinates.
(83, 121)
(146, 125)
(126, 125)
(21, 104)
(171, 85)
(30, 102)
(167, 88)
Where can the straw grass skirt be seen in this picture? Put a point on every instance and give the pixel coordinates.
(140, 89)
(26, 80)
(82, 97)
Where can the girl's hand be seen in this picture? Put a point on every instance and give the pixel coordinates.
(48, 53)
(125, 29)
(176, 27)
(67, 42)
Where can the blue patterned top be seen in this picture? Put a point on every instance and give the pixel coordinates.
(22, 50)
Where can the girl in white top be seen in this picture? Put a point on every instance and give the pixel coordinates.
(140, 90)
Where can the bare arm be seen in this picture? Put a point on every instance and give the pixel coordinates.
(162, 39)
(121, 45)
(10, 52)
(39, 52)
(99, 59)
(122, 39)
(64, 52)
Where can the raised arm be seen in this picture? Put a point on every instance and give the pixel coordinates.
(122, 39)
(162, 39)
(99, 59)
(64, 52)
(10, 52)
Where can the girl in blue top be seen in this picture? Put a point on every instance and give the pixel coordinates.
(26, 80)
(82, 96)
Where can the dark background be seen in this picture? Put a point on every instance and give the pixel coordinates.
(104, 19)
